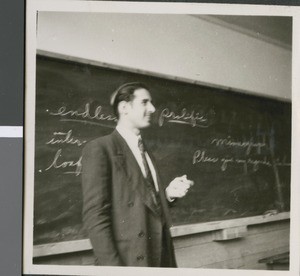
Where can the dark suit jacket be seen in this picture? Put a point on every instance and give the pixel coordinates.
(123, 226)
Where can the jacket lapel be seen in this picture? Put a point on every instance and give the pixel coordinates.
(127, 161)
(162, 195)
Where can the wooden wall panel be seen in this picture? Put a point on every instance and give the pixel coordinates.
(260, 242)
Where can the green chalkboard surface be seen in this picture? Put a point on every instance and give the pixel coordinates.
(236, 147)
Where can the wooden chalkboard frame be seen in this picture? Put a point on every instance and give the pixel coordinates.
(50, 249)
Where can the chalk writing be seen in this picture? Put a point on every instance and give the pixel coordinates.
(65, 138)
(85, 115)
(87, 122)
(225, 162)
(194, 119)
(57, 164)
(200, 156)
(243, 162)
(282, 162)
(248, 145)
(257, 163)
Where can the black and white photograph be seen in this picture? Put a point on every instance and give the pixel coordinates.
(158, 136)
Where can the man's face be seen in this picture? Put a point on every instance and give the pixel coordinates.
(139, 110)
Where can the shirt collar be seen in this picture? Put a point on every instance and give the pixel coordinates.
(130, 137)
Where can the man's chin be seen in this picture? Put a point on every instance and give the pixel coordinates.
(147, 124)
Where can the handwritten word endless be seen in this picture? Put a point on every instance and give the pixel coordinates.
(195, 119)
(87, 114)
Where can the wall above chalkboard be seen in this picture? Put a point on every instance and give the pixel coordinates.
(236, 147)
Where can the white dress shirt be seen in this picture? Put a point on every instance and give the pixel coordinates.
(132, 141)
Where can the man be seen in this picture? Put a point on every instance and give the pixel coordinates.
(125, 206)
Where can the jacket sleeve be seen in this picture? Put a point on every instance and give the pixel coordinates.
(96, 187)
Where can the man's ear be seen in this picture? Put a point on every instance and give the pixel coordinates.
(122, 107)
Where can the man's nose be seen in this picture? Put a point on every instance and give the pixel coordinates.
(151, 108)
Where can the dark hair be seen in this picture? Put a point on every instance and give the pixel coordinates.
(124, 93)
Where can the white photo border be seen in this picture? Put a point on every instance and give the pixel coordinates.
(33, 7)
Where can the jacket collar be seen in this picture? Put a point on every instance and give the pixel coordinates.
(132, 169)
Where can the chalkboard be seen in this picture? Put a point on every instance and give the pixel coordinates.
(236, 147)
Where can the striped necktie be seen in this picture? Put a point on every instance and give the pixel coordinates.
(149, 178)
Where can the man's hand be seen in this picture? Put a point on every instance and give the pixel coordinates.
(178, 187)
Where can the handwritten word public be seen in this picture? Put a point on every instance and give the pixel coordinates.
(87, 114)
(57, 163)
(194, 119)
(248, 145)
(65, 138)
